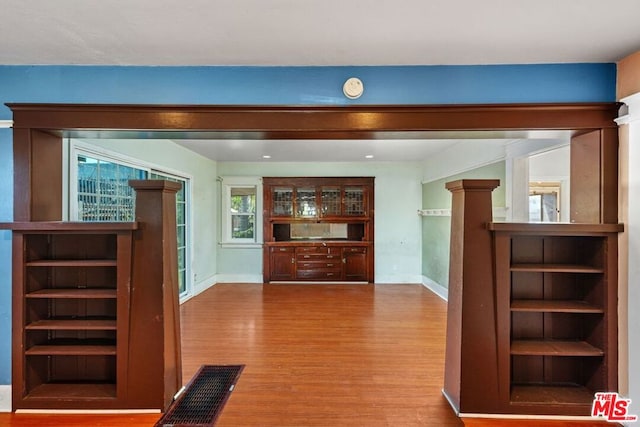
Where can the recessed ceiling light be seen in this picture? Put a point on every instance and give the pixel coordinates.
(369, 156)
(266, 156)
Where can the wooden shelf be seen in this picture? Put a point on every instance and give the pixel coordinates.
(51, 227)
(553, 348)
(551, 394)
(556, 268)
(82, 293)
(555, 229)
(554, 306)
(72, 263)
(79, 391)
(72, 350)
(73, 324)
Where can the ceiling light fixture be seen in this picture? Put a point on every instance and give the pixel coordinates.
(266, 156)
(369, 156)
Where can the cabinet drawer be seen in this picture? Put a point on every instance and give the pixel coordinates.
(317, 257)
(312, 265)
(322, 274)
(312, 250)
(355, 250)
(282, 249)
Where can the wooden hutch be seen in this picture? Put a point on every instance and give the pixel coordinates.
(318, 229)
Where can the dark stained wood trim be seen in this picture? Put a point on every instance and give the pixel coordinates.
(293, 121)
(274, 122)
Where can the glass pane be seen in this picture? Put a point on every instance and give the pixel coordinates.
(282, 199)
(103, 190)
(180, 195)
(354, 201)
(182, 233)
(181, 256)
(182, 281)
(243, 200)
(535, 208)
(180, 213)
(242, 226)
(306, 202)
(330, 201)
(550, 207)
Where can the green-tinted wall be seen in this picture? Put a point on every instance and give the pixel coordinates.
(436, 230)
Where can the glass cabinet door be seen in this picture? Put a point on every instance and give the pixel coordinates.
(354, 201)
(306, 205)
(282, 201)
(330, 201)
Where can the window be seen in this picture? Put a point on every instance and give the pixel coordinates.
(181, 226)
(544, 202)
(103, 190)
(241, 210)
(101, 193)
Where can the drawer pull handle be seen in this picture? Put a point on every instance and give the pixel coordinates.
(293, 260)
(329, 265)
(329, 274)
(307, 256)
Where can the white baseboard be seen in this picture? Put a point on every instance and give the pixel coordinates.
(238, 278)
(203, 285)
(5, 398)
(397, 279)
(436, 288)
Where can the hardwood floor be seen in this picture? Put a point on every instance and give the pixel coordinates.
(315, 355)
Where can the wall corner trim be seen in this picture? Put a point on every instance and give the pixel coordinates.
(632, 111)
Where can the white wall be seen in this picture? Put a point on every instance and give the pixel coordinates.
(398, 196)
(168, 156)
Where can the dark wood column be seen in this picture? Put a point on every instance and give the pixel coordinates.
(37, 175)
(471, 381)
(155, 364)
(594, 177)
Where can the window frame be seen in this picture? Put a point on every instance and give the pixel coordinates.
(228, 184)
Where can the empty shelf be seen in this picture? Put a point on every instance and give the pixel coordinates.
(557, 306)
(557, 268)
(73, 324)
(553, 348)
(78, 293)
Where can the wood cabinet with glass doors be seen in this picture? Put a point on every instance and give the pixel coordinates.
(318, 229)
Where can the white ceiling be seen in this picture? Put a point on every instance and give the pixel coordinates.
(403, 150)
(316, 32)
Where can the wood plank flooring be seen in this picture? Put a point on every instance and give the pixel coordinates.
(315, 355)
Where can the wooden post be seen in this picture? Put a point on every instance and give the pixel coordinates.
(155, 364)
(471, 377)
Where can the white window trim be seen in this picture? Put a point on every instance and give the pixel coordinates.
(228, 183)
